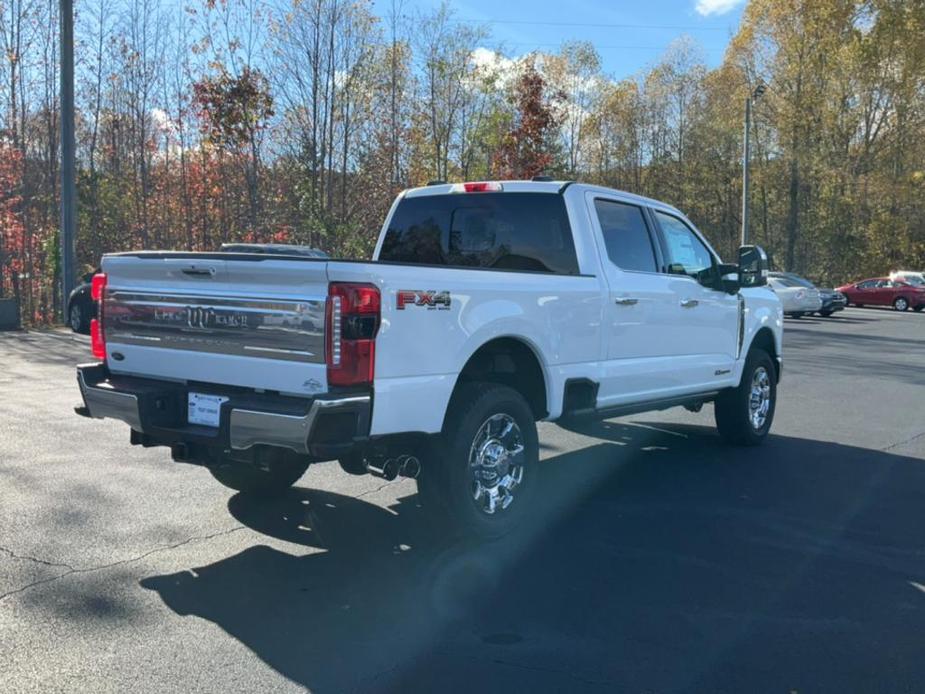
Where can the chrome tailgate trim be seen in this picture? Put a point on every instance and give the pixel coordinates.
(282, 329)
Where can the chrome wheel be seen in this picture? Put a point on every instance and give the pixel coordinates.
(759, 400)
(496, 463)
(901, 304)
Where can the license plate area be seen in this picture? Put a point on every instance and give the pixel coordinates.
(204, 409)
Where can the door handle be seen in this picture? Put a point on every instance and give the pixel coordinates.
(624, 301)
(689, 303)
(195, 271)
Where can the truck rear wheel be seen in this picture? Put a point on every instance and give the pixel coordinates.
(273, 471)
(744, 414)
(484, 473)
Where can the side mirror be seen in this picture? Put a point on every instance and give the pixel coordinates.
(753, 266)
(729, 278)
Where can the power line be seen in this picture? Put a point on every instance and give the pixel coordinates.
(607, 46)
(672, 27)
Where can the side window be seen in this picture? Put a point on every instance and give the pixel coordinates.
(626, 236)
(869, 284)
(686, 252)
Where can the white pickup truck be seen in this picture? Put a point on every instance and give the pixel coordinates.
(487, 307)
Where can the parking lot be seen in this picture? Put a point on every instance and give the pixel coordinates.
(663, 561)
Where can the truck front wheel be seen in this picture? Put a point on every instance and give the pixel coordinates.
(273, 471)
(744, 414)
(483, 474)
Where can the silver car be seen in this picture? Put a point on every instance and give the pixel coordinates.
(797, 299)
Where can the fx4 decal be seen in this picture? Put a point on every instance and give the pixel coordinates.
(419, 297)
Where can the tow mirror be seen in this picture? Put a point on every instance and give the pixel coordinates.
(753, 266)
(729, 278)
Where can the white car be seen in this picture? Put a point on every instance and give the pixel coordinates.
(487, 306)
(916, 279)
(797, 299)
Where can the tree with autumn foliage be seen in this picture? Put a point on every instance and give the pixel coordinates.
(527, 149)
(12, 231)
(233, 111)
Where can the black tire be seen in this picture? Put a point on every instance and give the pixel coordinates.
(919, 308)
(448, 486)
(732, 408)
(901, 303)
(77, 319)
(273, 471)
(826, 314)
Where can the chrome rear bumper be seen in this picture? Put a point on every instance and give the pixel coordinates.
(104, 402)
(157, 409)
(252, 427)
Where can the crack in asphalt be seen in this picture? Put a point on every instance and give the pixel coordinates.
(73, 570)
(36, 560)
(903, 442)
(374, 491)
(70, 570)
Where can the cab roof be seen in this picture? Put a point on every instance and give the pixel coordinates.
(520, 186)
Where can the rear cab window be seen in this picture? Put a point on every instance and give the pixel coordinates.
(500, 231)
(626, 236)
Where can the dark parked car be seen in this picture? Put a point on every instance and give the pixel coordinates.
(882, 291)
(80, 308)
(832, 299)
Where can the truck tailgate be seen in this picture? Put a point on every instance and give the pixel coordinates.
(245, 320)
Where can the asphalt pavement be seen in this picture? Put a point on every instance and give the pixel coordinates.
(660, 560)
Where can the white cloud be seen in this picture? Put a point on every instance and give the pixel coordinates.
(493, 64)
(709, 7)
(161, 120)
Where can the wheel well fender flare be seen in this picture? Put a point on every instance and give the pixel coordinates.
(764, 338)
(511, 360)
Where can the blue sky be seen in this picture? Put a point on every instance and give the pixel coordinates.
(520, 26)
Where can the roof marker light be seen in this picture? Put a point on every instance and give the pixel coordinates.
(478, 187)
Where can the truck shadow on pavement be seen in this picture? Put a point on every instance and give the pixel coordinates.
(661, 560)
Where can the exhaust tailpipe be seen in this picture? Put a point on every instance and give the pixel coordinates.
(388, 470)
(409, 466)
(392, 468)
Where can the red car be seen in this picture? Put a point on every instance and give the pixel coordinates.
(882, 291)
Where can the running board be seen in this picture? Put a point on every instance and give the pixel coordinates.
(638, 407)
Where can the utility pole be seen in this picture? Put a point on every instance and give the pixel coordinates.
(746, 157)
(68, 230)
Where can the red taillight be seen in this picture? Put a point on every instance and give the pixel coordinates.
(97, 337)
(97, 285)
(97, 340)
(353, 321)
